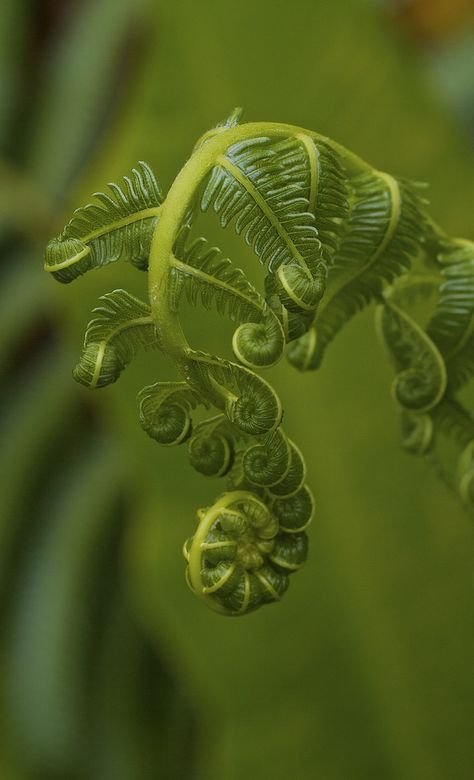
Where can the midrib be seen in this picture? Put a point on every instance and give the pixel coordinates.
(237, 174)
(189, 270)
(395, 205)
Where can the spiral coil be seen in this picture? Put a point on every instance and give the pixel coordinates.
(332, 234)
(240, 556)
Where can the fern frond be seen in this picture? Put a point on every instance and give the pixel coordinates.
(262, 184)
(329, 196)
(413, 288)
(453, 454)
(164, 410)
(122, 325)
(233, 119)
(465, 476)
(454, 421)
(417, 432)
(382, 237)
(249, 402)
(205, 276)
(452, 325)
(421, 381)
(118, 226)
(333, 234)
(211, 448)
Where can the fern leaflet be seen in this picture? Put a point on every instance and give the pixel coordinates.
(122, 325)
(119, 226)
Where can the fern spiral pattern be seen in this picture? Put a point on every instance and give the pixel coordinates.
(417, 432)
(119, 226)
(266, 464)
(259, 344)
(165, 411)
(331, 234)
(240, 557)
(211, 448)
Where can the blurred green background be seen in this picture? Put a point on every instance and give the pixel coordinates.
(108, 667)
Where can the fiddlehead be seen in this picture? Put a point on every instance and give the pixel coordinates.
(384, 232)
(207, 278)
(267, 463)
(248, 401)
(453, 448)
(240, 557)
(465, 475)
(421, 381)
(119, 226)
(165, 411)
(452, 325)
(211, 449)
(333, 234)
(417, 432)
(259, 344)
(295, 475)
(122, 325)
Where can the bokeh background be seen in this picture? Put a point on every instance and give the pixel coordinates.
(109, 668)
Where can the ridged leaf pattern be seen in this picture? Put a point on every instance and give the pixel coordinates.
(121, 326)
(333, 234)
(119, 225)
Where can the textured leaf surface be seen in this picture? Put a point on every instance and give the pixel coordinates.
(122, 326)
(263, 186)
(376, 634)
(422, 381)
(385, 664)
(383, 226)
(452, 325)
(209, 279)
(119, 226)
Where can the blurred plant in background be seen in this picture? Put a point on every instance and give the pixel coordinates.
(108, 668)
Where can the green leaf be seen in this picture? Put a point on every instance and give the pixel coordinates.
(249, 401)
(123, 324)
(329, 195)
(119, 226)
(454, 422)
(264, 185)
(384, 228)
(206, 277)
(421, 381)
(165, 411)
(452, 324)
(451, 456)
(413, 288)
